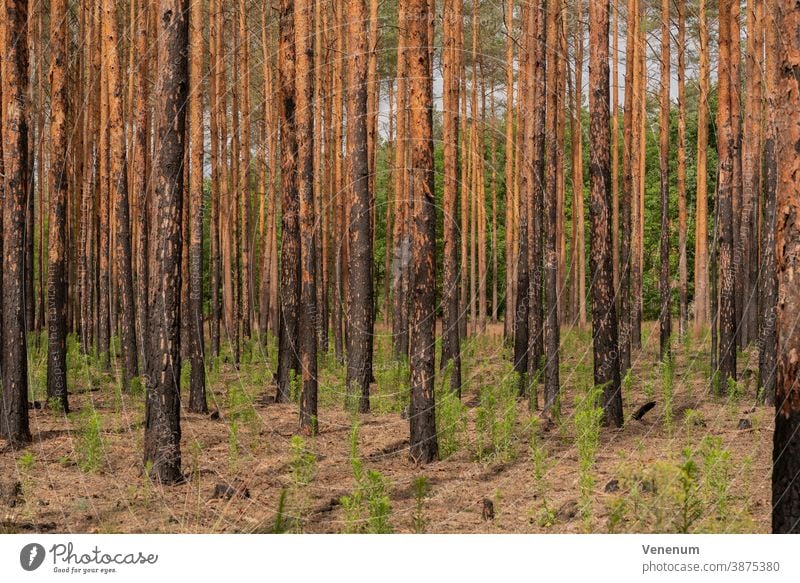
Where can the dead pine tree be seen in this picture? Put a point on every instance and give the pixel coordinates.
(162, 451)
(424, 446)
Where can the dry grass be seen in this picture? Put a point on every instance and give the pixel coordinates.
(59, 496)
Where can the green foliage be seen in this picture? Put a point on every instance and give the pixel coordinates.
(393, 385)
(302, 462)
(26, 461)
(667, 368)
(421, 489)
(587, 419)
(496, 418)
(717, 480)
(90, 441)
(186, 375)
(451, 422)
(735, 390)
(367, 508)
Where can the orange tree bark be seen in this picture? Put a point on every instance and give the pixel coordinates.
(245, 230)
(57, 258)
(767, 345)
(14, 419)
(604, 315)
(119, 193)
(162, 451)
(508, 317)
(290, 237)
(214, 105)
(701, 299)
(786, 444)
(451, 349)
(307, 316)
(359, 270)
(424, 446)
(197, 385)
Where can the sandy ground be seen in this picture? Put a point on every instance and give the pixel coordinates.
(44, 489)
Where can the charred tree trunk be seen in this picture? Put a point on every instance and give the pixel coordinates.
(197, 386)
(665, 315)
(604, 316)
(786, 444)
(451, 341)
(424, 447)
(162, 443)
(307, 315)
(290, 242)
(768, 342)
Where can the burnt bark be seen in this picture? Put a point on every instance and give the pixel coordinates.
(162, 451)
(665, 315)
(424, 446)
(786, 442)
(604, 316)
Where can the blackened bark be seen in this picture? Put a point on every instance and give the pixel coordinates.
(360, 314)
(197, 384)
(786, 442)
(665, 316)
(14, 418)
(307, 340)
(424, 446)
(551, 324)
(57, 258)
(451, 339)
(604, 315)
(162, 451)
(119, 193)
(288, 359)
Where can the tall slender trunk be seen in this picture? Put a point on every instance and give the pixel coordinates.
(683, 274)
(508, 317)
(604, 316)
(162, 442)
(726, 144)
(119, 193)
(338, 181)
(577, 261)
(290, 284)
(701, 300)
(57, 258)
(768, 342)
(197, 386)
(615, 210)
(424, 447)
(665, 315)
(245, 189)
(551, 322)
(307, 312)
(451, 349)
(786, 450)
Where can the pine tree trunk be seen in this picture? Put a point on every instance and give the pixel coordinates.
(214, 79)
(701, 300)
(162, 453)
(615, 210)
(768, 342)
(290, 285)
(119, 192)
(786, 450)
(604, 316)
(726, 144)
(551, 258)
(197, 386)
(14, 419)
(665, 315)
(451, 349)
(244, 176)
(57, 257)
(424, 447)
(307, 312)
(683, 275)
(508, 317)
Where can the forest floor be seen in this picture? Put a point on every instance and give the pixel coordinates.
(696, 462)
